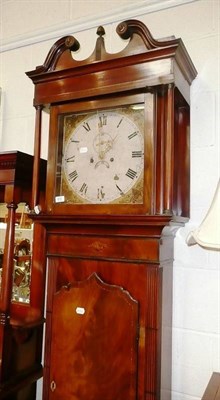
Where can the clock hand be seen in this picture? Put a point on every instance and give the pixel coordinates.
(121, 191)
(114, 138)
(110, 143)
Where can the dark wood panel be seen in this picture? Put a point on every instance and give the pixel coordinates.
(101, 246)
(95, 357)
(7, 176)
(21, 324)
(143, 283)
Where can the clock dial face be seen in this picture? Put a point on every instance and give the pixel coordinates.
(103, 157)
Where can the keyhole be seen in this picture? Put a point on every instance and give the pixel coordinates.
(53, 386)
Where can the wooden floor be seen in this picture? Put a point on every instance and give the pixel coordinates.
(213, 389)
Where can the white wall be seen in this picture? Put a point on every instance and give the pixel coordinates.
(28, 30)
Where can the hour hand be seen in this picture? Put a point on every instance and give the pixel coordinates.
(121, 191)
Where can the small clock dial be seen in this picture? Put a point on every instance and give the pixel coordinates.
(103, 157)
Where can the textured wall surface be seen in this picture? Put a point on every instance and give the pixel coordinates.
(28, 30)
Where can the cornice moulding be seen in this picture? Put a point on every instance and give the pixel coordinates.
(70, 27)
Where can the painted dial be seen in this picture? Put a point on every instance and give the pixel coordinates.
(104, 157)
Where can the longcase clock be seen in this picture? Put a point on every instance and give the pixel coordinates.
(117, 189)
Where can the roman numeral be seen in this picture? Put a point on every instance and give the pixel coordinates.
(86, 126)
(70, 159)
(100, 193)
(130, 173)
(137, 154)
(73, 175)
(119, 123)
(83, 188)
(132, 135)
(102, 120)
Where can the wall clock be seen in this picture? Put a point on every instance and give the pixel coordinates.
(117, 189)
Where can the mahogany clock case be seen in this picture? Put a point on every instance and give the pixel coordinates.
(155, 73)
(109, 232)
(160, 174)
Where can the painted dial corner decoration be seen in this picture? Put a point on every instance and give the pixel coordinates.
(102, 157)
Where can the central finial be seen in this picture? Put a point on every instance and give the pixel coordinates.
(100, 31)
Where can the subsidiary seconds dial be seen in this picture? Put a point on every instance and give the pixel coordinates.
(103, 157)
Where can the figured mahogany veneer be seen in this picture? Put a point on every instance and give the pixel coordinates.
(98, 358)
(131, 254)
